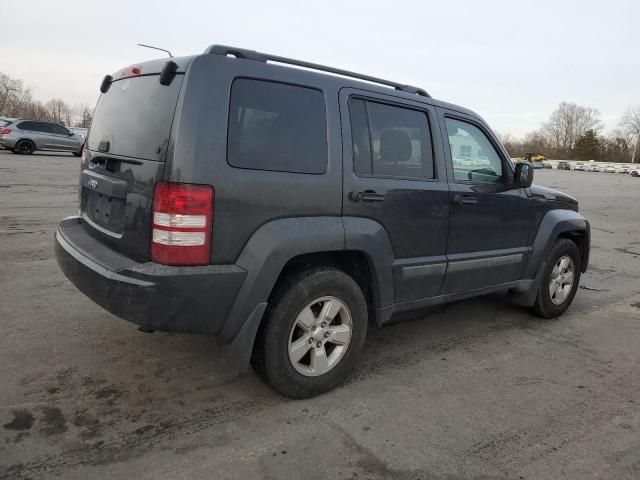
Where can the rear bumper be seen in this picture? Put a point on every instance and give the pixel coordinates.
(177, 299)
(7, 143)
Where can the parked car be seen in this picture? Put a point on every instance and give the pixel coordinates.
(580, 167)
(593, 168)
(547, 165)
(564, 166)
(81, 132)
(609, 169)
(635, 172)
(538, 165)
(28, 136)
(624, 169)
(300, 209)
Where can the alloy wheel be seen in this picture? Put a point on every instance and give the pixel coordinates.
(561, 281)
(320, 336)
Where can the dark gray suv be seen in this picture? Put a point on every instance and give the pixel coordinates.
(28, 136)
(287, 210)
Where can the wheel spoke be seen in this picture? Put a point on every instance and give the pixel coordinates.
(340, 334)
(299, 348)
(556, 271)
(563, 264)
(306, 318)
(329, 310)
(568, 279)
(319, 361)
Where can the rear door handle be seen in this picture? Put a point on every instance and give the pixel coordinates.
(461, 199)
(366, 196)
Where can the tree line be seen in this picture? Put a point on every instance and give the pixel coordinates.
(16, 101)
(574, 132)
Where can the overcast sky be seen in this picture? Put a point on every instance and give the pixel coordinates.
(512, 61)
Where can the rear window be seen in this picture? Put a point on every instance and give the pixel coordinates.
(275, 126)
(135, 117)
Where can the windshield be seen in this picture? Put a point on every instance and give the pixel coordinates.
(135, 117)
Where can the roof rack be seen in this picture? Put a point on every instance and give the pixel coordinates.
(265, 57)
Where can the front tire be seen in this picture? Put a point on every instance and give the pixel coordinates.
(560, 280)
(312, 334)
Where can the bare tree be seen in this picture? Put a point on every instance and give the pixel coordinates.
(568, 123)
(83, 115)
(58, 111)
(631, 123)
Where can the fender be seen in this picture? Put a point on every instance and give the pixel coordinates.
(370, 237)
(264, 256)
(553, 224)
(273, 245)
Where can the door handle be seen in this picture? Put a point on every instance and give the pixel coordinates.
(460, 199)
(366, 196)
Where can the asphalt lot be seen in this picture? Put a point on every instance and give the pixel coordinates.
(477, 389)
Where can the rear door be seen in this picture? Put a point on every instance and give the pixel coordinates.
(127, 148)
(394, 174)
(490, 220)
(39, 132)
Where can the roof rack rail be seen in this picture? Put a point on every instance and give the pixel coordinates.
(265, 57)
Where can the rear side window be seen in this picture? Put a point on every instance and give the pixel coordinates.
(27, 126)
(390, 141)
(275, 126)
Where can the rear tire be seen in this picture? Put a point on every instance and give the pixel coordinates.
(312, 334)
(25, 147)
(560, 280)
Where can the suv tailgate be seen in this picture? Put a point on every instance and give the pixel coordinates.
(127, 147)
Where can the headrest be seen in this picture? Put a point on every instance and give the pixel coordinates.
(395, 146)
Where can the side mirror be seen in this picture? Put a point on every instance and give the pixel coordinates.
(71, 134)
(523, 176)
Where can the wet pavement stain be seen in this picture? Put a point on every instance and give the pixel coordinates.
(54, 421)
(22, 420)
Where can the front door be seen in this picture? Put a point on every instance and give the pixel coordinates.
(489, 224)
(394, 174)
(62, 139)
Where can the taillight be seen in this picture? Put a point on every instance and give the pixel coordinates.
(181, 225)
(83, 158)
(5, 131)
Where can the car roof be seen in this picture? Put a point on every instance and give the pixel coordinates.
(352, 80)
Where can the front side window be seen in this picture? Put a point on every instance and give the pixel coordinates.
(473, 156)
(278, 127)
(59, 129)
(390, 141)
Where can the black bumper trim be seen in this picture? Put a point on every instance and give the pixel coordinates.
(175, 299)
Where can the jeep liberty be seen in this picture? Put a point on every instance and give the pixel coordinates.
(285, 210)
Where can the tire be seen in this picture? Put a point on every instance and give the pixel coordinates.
(282, 329)
(551, 306)
(634, 174)
(25, 147)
